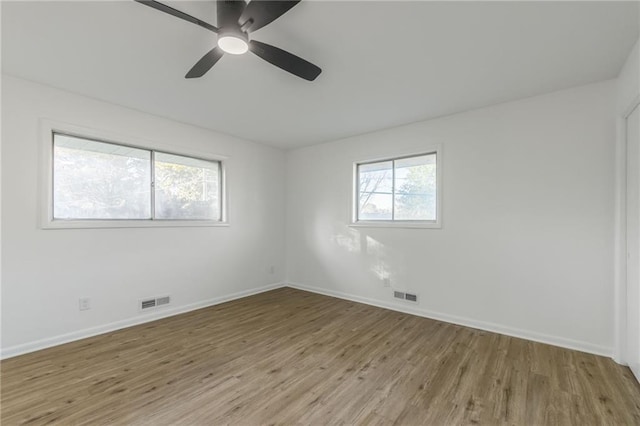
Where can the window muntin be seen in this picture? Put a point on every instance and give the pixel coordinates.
(398, 190)
(94, 180)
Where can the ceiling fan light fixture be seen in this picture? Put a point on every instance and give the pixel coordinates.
(233, 44)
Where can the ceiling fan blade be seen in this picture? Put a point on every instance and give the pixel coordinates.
(205, 63)
(285, 60)
(175, 12)
(259, 13)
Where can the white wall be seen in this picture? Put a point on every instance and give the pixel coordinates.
(526, 247)
(628, 93)
(46, 271)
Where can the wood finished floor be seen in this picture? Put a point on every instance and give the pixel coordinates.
(292, 357)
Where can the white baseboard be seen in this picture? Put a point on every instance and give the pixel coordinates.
(467, 322)
(117, 325)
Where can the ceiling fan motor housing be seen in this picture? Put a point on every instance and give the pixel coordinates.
(231, 38)
(229, 12)
(234, 32)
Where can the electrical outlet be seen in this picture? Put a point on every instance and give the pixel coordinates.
(272, 269)
(387, 282)
(84, 303)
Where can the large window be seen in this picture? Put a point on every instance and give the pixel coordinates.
(94, 180)
(400, 190)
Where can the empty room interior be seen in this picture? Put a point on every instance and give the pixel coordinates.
(320, 212)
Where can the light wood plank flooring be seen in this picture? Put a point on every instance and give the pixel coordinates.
(292, 357)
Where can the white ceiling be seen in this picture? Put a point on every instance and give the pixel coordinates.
(384, 63)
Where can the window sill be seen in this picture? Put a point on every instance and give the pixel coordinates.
(98, 224)
(396, 224)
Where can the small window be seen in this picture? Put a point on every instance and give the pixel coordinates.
(95, 180)
(398, 191)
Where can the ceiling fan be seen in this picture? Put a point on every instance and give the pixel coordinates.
(236, 21)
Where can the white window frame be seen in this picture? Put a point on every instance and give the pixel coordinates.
(428, 224)
(47, 221)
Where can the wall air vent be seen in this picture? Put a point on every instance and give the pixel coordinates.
(398, 295)
(154, 302)
(147, 304)
(411, 297)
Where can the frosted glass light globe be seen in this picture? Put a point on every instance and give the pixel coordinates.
(233, 45)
